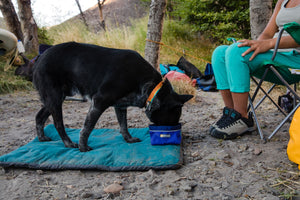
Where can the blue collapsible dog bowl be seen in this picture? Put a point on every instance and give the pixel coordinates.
(163, 135)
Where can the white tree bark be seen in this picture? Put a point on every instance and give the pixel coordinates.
(260, 13)
(154, 32)
(11, 18)
(29, 27)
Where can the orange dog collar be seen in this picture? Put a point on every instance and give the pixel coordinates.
(154, 93)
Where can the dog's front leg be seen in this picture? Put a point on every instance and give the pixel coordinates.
(122, 119)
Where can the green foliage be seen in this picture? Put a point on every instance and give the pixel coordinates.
(215, 19)
(44, 36)
(173, 28)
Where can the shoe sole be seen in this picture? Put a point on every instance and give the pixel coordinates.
(225, 136)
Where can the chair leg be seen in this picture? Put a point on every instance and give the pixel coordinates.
(295, 108)
(264, 97)
(267, 95)
(258, 85)
(283, 122)
(251, 100)
(255, 119)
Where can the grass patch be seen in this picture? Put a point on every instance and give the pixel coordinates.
(177, 38)
(10, 83)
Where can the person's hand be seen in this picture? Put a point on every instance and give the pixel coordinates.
(256, 46)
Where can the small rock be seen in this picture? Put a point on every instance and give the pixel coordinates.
(40, 172)
(171, 192)
(2, 170)
(242, 147)
(113, 188)
(257, 151)
(195, 154)
(97, 196)
(70, 186)
(187, 188)
(86, 195)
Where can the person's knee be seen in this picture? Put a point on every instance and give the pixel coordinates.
(220, 51)
(218, 57)
(235, 51)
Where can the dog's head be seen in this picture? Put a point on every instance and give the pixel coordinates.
(165, 109)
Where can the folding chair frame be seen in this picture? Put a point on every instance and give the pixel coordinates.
(259, 84)
(266, 95)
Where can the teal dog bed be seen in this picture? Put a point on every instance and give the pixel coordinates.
(110, 153)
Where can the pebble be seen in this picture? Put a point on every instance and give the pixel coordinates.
(40, 172)
(113, 188)
(257, 151)
(195, 154)
(2, 171)
(171, 192)
(86, 195)
(187, 188)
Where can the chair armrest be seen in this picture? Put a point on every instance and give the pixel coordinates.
(277, 44)
(293, 29)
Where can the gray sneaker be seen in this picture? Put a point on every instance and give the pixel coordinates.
(226, 112)
(235, 125)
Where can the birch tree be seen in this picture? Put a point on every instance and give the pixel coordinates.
(260, 13)
(29, 26)
(11, 18)
(154, 32)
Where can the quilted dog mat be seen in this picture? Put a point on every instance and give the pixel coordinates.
(110, 153)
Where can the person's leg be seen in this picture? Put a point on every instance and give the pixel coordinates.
(240, 103)
(238, 70)
(227, 98)
(219, 68)
(238, 76)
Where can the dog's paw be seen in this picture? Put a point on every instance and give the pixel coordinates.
(133, 140)
(44, 139)
(85, 148)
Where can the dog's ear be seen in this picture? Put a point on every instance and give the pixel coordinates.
(184, 98)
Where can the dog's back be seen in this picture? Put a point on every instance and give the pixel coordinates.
(85, 68)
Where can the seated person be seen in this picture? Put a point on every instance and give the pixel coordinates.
(234, 64)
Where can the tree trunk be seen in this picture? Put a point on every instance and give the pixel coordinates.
(82, 14)
(260, 13)
(154, 32)
(102, 22)
(29, 27)
(11, 19)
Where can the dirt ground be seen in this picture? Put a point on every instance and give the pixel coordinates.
(244, 168)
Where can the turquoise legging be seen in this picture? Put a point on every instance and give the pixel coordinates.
(232, 70)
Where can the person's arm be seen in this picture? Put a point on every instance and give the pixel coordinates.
(266, 41)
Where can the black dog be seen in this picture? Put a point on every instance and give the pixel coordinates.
(109, 77)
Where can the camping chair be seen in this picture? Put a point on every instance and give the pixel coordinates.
(284, 75)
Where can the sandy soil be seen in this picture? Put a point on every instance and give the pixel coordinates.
(244, 168)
